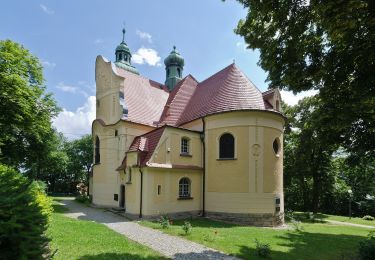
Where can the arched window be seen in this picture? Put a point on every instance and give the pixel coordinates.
(97, 150)
(167, 73)
(226, 149)
(185, 145)
(184, 188)
(120, 56)
(179, 72)
(276, 146)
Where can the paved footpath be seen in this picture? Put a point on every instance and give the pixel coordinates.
(348, 224)
(169, 246)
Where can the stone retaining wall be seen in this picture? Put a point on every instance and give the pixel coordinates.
(259, 220)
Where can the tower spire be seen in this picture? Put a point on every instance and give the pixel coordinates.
(123, 55)
(123, 34)
(174, 65)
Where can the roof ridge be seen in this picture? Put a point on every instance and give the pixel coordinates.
(227, 67)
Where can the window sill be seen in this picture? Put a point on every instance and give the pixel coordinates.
(185, 155)
(226, 159)
(128, 182)
(98, 163)
(184, 198)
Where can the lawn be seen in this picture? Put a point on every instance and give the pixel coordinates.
(347, 219)
(85, 240)
(315, 241)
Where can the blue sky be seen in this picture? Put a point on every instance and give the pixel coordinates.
(68, 35)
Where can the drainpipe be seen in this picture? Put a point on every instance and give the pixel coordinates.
(141, 199)
(204, 169)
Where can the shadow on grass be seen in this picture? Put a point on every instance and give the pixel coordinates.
(57, 208)
(203, 223)
(304, 245)
(115, 256)
(208, 254)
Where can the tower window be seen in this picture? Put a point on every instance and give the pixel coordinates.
(97, 150)
(159, 189)
(167, 73)
(185, 145)
(226, 146)
(120, 56)
(276, 146)
(179, 72)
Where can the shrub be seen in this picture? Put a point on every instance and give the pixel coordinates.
(24, 216)
(83, 199)
(164, 222)
(368, 217)
(262, 249)
(297, 225)
(187, 227)
(367, 247)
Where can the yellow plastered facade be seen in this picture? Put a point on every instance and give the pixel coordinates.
(248, 184)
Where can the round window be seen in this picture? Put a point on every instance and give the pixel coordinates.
(276, 146)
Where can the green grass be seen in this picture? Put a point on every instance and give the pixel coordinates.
(347, 219)
(86, 240)
(315, 241)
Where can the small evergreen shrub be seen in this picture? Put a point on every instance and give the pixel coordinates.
(187, 227)
(367, 247)
(24, 215)
(262, 249)
(368, 217)
(164, 222)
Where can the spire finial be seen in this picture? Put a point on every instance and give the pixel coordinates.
(123, 34)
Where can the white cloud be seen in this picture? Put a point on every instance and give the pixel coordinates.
(66, 88)
(74, 124)
(71, 89)
(99, 41)
(47, 64)
(47, 10)
(144, 36)
(291, 99)
(146, 56)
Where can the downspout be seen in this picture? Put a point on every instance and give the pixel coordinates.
(204, 169)
(140, 204)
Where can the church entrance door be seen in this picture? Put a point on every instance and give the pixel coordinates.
(122, 196)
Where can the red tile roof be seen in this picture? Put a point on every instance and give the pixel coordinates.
(144, 98)
(178, 99)
(150, 103)
(227, 90)
(146, 144)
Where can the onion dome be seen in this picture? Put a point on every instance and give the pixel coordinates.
(174, 58)
(123, 56)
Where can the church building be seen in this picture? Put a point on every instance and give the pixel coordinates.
(180, 148)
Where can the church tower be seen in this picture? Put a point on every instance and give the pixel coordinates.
(174, 65)
(123, 56)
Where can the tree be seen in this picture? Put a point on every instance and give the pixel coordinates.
(308, 155)
(24, 215)
(80, 153)
(26, 109)
(323, 45)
